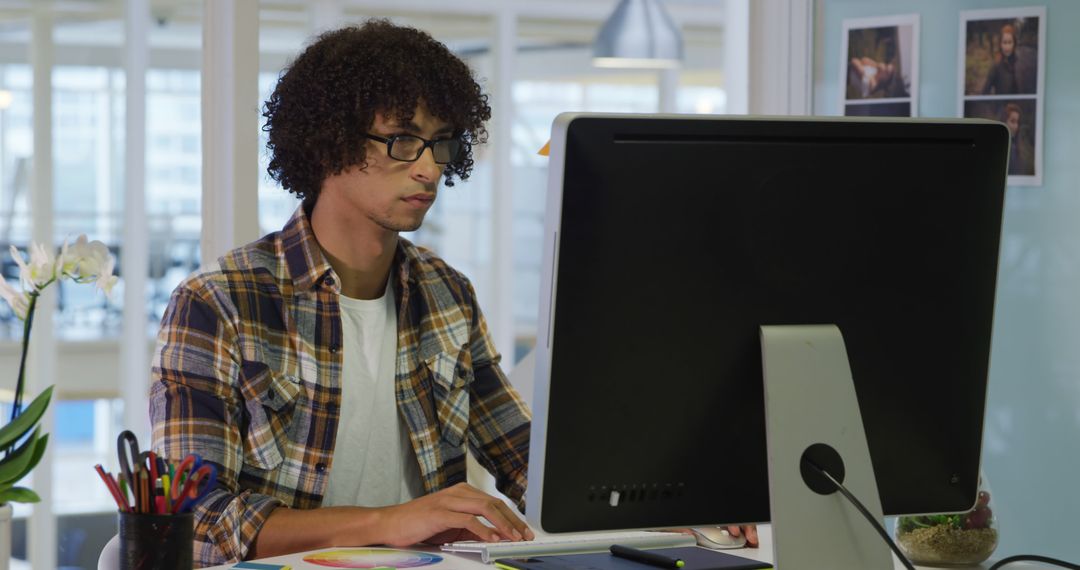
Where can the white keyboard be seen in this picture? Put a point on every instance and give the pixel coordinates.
(569, 544)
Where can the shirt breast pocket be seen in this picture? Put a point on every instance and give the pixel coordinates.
(269, 404)
(452, 373)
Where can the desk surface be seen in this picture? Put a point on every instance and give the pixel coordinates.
(472, 562)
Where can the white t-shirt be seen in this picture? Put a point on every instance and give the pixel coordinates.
(374, 464)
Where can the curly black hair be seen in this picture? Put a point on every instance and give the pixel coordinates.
(325, 101)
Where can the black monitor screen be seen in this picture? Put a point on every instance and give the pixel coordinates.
(676, 238)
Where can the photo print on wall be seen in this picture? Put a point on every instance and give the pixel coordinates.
(1002, 54)
(880, 70)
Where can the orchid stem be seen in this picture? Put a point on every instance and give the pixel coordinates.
(27, 323)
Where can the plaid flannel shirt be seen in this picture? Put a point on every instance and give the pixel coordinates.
(247, 374)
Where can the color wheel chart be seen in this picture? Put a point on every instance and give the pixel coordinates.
(382, 558)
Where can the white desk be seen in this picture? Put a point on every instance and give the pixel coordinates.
(469, 562)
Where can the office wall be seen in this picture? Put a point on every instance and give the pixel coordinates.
(1031, 451)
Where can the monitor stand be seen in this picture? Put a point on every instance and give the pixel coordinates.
(810, 399)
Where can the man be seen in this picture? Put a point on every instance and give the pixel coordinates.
(333, 372)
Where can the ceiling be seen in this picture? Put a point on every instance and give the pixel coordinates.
(559, 26)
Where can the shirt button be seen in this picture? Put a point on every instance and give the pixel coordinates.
(334, 348)
(320, 467)
(271, 394)
(329, 281)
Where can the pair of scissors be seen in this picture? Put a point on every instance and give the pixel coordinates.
(148, 460)
(198, 480)
(127, 451)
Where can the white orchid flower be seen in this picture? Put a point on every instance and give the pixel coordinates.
(100, 261)
(106, 279)
(18, 300)
(74, 255)
(87, 261)
(62, 262)
(40, 271)
(44, 264)
(83, 261)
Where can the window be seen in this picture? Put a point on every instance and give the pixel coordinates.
(173, 182)
(557, 76)
(87, 196)
(16, 149)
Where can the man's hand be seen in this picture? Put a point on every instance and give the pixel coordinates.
(749, 530)
(450, 515)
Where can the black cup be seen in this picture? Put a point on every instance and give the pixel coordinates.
(158, 542)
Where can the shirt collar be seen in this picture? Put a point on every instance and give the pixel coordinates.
(307, 264)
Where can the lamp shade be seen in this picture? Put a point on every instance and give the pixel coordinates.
(640, 34)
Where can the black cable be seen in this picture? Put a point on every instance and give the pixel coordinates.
(884, 535)
(873, 522)
(1034, 558)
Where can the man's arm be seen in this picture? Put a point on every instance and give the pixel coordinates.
(445, 516)
(195, 408)
(498, 418)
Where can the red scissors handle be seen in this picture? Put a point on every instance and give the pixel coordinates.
(186, 469)
(203, 477)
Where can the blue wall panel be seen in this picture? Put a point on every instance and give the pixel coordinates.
(1031, 452)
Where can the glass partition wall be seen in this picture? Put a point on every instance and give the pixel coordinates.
(533, 58)
(85, 57)
(554, 75)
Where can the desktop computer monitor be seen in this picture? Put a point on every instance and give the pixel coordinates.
(671, 240)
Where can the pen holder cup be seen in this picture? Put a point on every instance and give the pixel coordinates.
(161, 542)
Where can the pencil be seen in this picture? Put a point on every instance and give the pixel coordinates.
(110, 484)
(144, 493)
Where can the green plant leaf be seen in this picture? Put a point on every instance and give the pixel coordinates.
(39, 450)
(12, 432)
(12, 466)
(35, 457)
(907, 524)
(19, 495)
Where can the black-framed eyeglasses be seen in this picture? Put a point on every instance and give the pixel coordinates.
(409, 148)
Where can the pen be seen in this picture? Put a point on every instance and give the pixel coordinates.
(645, 557)
(165, 480)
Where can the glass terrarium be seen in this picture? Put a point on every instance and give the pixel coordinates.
(962, 539)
